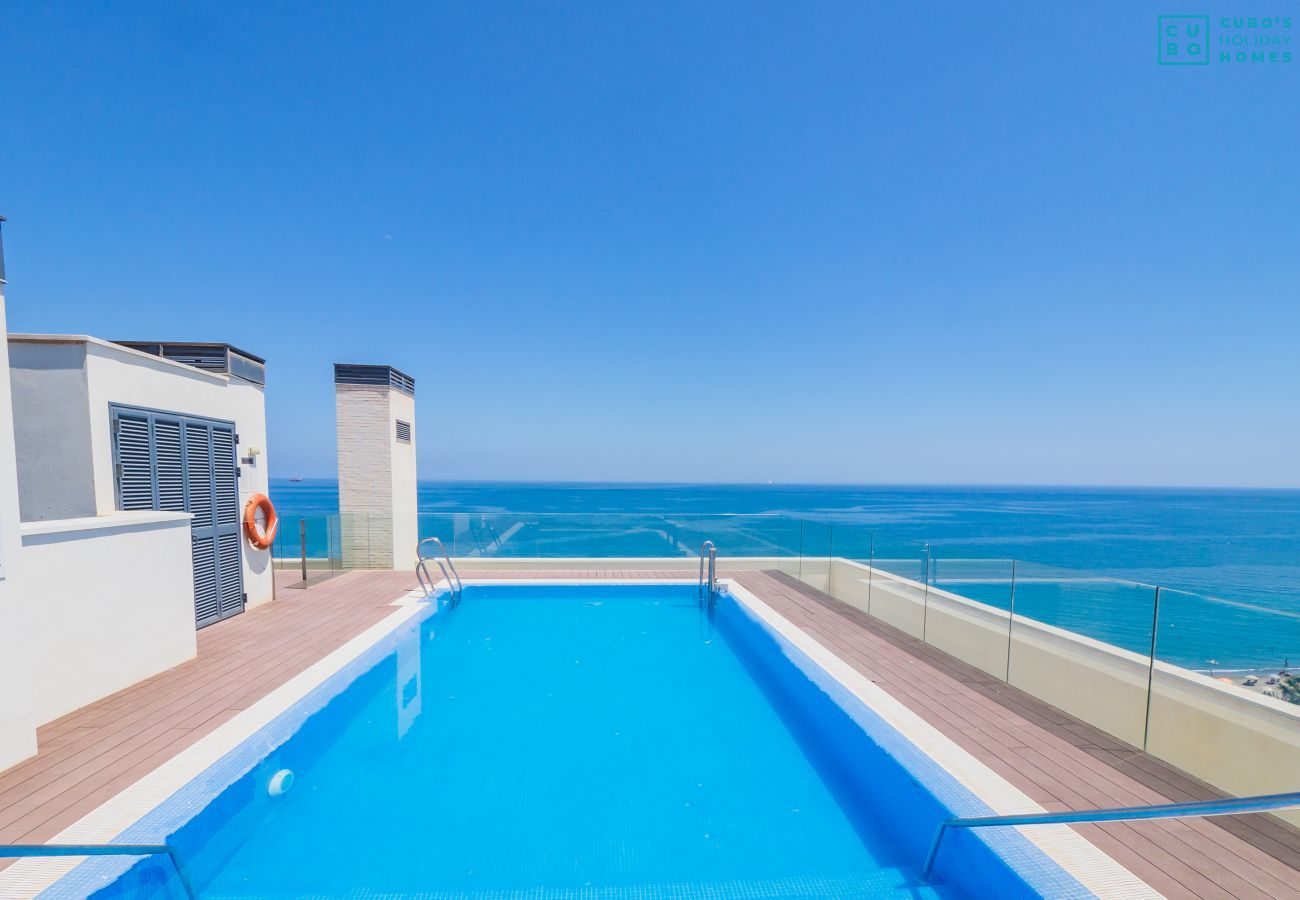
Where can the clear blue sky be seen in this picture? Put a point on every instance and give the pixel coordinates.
(828, 242)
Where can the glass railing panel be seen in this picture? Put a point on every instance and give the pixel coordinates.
(767, 541)
(898, 583)
(1082, 642)
(281, 559)
(570, 536)
(851, 547)
(816, 544)
(968, 609)
(305, 549)
(439, 525)
(365, 541)
(1225, 690)
(491, 535)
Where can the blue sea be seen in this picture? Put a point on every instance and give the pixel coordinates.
(1228, 561)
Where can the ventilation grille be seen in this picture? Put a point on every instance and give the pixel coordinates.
(347, 373)
(222, 358)
(209, 359)
(403, 432)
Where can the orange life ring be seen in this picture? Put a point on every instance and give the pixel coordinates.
(256, 536)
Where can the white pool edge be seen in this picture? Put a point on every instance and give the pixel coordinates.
(29, 877)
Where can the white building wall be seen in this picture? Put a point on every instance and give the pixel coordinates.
(365, 474)
(56, 477)
(119, 375)
(122, 376)
(377, 484)
(92, 603)
(109, 601)
(404, 488)
(17, 711)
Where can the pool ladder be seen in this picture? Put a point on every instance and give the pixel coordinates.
(709, 589)
(449, 573)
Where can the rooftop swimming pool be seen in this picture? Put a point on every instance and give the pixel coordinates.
(593, 741)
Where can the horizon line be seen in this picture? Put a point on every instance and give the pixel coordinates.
(989, 485)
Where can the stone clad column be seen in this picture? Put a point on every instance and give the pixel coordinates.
(375, 407)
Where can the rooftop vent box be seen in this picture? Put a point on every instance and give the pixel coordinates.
(349, 373)
(220, 358)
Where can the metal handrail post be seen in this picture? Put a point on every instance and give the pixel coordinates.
(925, 599)
(1011, 618)
(1151, 666)
(871, 567)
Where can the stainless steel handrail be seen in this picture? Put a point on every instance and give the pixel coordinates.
(1224, 807)
(713, 573)
(422, 572)
(709, 550)
(31, 850)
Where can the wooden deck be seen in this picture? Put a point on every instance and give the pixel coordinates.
(1060, 762)
(90, 755)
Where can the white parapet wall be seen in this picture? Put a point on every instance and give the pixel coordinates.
(1104, 685)
(108, 601)
(1239, 741)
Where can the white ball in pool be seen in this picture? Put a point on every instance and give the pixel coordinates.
(280, 783)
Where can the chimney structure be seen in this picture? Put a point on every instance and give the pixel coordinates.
(375, 408)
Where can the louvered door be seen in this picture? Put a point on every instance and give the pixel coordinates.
(203, 534)
(173, 462)
(230, 574)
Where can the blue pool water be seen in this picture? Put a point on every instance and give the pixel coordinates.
(561, 741)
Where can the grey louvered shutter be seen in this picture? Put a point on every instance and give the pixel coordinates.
(198, 464)
(230, 574)
(223, 460)
(198, 461)
(226, 502)
(134, 462)
(170, 464)
(168, 461)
